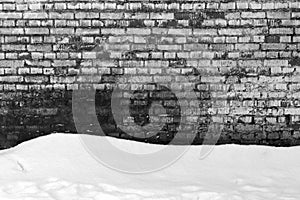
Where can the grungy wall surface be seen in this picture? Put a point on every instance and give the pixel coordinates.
(240, 59)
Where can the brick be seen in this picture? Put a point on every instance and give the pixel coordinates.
(62, 80)
(250, 63)
(268, 5)
(231, 31)
(86, 31)
(283, 31)
(191, 47)
(196, 6)
(227, 6)
(138, 31)
(98, 6)
(61, 15)
(35, 15)
(11, 63)
(10, 15)
(180, 31)
(274, 46)
(37, 31)
(242, 5)
(296, 38)
(281, 5)
(161, 15)
(255, 5)
(272, 39)
(140, 79)
(11, 47)
(62, 31)
(205, 32)
(278, 15)
(291, 111)
(247, 47)
(11, 31)
(36, 6)
(136, 15)
(7, 6)
(235, 15)
(11, 79)
(36, 70)
(212, 79)
(111, 15)
(60, 6)
(162, 79)
(36, 79)
(63, 63)
(115, 31)
(271, 63)
(251, 15)
(21, 7)
(85, 6)
(86, 15)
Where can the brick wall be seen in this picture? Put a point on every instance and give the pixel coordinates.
(241, 59)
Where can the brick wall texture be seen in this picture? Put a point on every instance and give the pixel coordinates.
(240, 57)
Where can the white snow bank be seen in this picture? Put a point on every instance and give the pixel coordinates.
(58, 167)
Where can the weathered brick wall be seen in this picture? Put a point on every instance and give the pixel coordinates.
(241, 57)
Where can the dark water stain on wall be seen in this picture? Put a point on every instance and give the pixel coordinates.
(140, 102)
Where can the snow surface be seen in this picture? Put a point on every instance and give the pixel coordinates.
(59, 167)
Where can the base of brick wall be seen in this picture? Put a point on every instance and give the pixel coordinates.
(30, 114)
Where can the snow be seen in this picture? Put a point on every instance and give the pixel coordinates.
(59, 167)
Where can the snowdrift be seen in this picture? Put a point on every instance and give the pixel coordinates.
(59, 167)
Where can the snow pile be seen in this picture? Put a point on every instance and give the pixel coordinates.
(58, 167)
